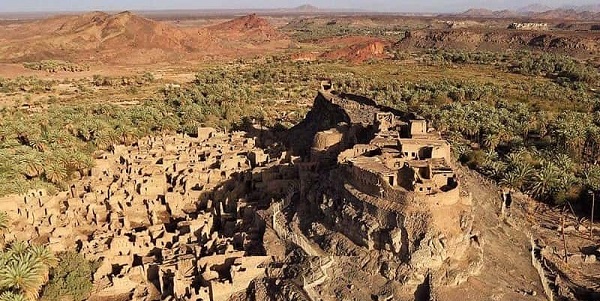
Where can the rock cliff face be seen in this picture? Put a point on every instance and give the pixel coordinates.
(359, 52)
(476, 39)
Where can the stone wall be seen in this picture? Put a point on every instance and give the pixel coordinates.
(536, 261)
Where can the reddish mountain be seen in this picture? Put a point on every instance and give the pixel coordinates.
(251, 27)
(96, 34)
(358, 52)
(130, 39)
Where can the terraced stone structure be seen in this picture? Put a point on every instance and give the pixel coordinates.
(386, 180)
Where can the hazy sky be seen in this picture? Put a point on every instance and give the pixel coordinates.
(373, 5)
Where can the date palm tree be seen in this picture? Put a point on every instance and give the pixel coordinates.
(564, 162)
(491, 141)
(38, 143)
(32, 166)
(45, 257)
(79, 161)
(591, 177)
(12, 296)
(22, 273)
(544, 181)
(55, 173)
(518, 172)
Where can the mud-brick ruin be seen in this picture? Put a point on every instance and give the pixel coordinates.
(386, 180)
(215, 217)
(166, 216)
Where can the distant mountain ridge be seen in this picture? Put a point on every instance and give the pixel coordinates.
(306, 8)
(584, 8)
(537, 11)
(536, 8)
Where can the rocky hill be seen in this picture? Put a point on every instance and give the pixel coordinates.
(250, 27)
(487, 13)
(493, 40)
(129, 39)
(358, 52)
(536, 7)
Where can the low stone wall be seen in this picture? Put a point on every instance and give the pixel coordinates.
(537, 264)
(446, 198)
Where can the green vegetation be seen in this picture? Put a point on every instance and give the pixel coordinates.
(56, 146)
(26, 84)
(562, 69)
(54, 66)
(135, 80)
(70, 280)
(25, 269)
(538, 152)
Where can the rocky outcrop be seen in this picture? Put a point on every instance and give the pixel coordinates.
(359, 52)
(479, 39)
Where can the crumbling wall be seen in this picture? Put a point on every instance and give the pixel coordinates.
(441, 198)
(323, 116)
(536, 261)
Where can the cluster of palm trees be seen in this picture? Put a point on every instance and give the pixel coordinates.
(55, 66)
(543, 153)
(24, 268)
(563, 69)
(134, 80)
(30, 84)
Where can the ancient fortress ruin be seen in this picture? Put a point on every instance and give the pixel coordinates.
(186, 217)
(386, 180)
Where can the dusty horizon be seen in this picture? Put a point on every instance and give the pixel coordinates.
(411, 6)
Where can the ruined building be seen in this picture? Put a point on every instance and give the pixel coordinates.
(169, 216)
(386, 180)
(186, 217)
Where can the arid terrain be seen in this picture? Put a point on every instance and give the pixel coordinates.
(300, 154)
